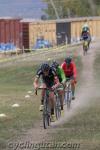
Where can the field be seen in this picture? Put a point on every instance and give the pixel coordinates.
(81, 125)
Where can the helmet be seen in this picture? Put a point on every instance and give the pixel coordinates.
(68, 60)
(45, 67)
(55, 64)
(85, 29)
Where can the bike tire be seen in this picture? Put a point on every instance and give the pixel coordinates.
(65, 98)
(45, 121)
(69, 98)
(57, 108)
(46, 113)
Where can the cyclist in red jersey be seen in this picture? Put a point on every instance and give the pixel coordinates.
(70, 71)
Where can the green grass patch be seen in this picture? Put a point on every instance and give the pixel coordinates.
(15, 82)
(83, 129)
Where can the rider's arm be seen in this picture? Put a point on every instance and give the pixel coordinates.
(56, 81)
(62, 75)
(74, 70)
(36, 80)
(35, 83)
(63, 66)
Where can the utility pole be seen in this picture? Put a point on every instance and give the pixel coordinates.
(54, 7)
(93, 7)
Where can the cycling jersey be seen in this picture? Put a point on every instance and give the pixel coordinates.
(49, 80)
(85, 35)
(60, 74)
(69, 71)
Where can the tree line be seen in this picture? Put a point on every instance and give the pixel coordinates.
(71, 8)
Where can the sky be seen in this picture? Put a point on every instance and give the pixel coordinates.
(21, 8)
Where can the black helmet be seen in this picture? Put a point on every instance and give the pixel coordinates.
(55, 64)
(68, 60)
(45, 67)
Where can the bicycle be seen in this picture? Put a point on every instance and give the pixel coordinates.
(46, 108)
(85, 46)
(68, 94)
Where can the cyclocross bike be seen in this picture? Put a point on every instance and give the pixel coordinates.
(46, 107)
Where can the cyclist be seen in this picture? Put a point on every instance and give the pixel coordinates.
(48, 77)
(85, 33)
(69, 68)
(85, 26)
(62, 79)
(86, 36)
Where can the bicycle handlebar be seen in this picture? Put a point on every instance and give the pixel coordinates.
(50, 89)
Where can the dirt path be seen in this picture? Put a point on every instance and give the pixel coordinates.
(84, 95)
(88, 86)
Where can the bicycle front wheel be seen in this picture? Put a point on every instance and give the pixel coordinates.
(69, 98)
(46, 113)
(57, 108)
(46, 121)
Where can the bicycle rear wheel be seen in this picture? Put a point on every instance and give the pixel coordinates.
(69, 98)
(65, 98)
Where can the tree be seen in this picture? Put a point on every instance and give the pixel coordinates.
(71, 8)
(43, 17)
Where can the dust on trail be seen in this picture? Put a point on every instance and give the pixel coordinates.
(83, 97)
(86, 92)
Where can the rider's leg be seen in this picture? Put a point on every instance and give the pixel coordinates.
(42, 100)
(61, 95)
(43, 93)
(42, 97)
(89, 43)
(52, 103)
(89, 40)
(73, 88)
